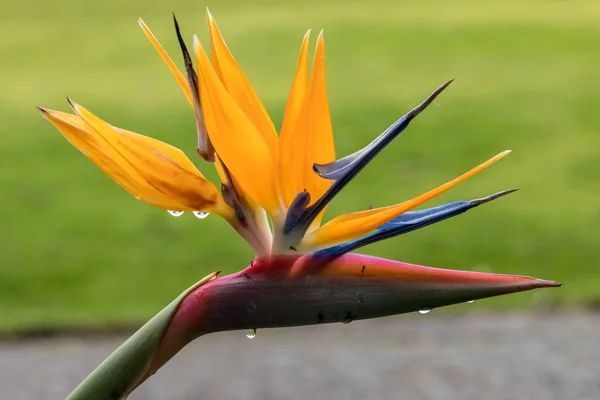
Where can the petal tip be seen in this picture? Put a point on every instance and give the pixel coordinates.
(73, 105)
(209, 17)
(144, 27)
(321, 37)
(196, 43)
(45, 113)
(501, 155)
(494, 196)
(177, 28)
(421, 107)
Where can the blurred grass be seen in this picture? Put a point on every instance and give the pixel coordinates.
(78, 250)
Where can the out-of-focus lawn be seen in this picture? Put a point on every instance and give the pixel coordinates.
(76, 249)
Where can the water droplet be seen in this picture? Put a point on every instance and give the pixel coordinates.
(251, 307)
(471, 301)
(200, 214)
(424, 311)
(250, 333)
(175, 213)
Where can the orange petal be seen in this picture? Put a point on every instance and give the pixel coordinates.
(220, 169)
(236, 139)
(180, 181)
(161, 51)
(312, 138)
(152, 171)
(295, 100)
(173, 153)
(239, 87)
(353, 225)
(227, 179)
(76, 131)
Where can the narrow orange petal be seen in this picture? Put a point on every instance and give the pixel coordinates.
(175, 180)
(236, 140)
(323, 146)
(174, 70)
(80, 135)
(312, 138)
(239, 87)
(172, 152)
(353, 225)
(287, 189)
(220, 169)
(176, 155)
(161, 166)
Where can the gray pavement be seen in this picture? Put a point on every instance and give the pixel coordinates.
(441, 357)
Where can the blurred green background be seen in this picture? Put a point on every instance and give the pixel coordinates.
(79, 251)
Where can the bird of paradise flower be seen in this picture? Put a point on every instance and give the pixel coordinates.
(274, 192)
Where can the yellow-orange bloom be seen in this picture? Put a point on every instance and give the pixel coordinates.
(291, 177)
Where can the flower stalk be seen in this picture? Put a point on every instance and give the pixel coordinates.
(287, 291)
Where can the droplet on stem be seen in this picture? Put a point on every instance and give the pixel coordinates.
(250, 333)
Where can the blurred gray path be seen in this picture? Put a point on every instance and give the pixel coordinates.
(478, 357)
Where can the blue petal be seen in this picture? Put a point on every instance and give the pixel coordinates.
(348, 167)
(408, 222)
(416, 216)
(344, 169)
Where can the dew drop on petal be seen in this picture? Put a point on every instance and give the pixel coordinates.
(200, 214)
(424, 311)
(175, 213)
(471, 301)
(250, 333)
